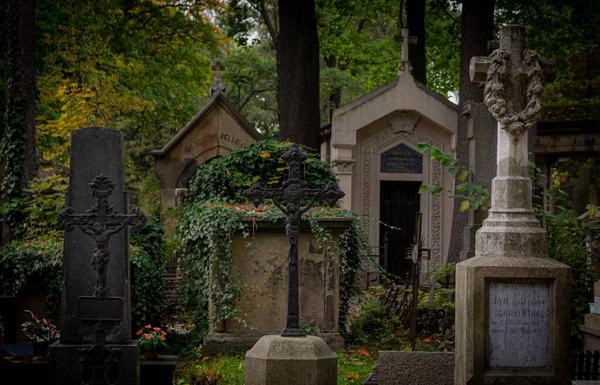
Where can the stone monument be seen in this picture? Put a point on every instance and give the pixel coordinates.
(292, 358)
(95, 345)
(512, 301)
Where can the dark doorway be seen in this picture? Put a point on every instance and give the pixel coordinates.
(399, 202)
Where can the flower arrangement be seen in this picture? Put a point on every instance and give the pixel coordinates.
(152, 338)
(39, 329)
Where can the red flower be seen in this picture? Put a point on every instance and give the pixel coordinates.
(148, 326)
(148, 336)
(157, 329)
(139, 333)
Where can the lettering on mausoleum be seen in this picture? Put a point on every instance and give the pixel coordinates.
(518, 325)
(402, 159)
(211, 140)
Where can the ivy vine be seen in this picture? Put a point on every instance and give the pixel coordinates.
(215, 210)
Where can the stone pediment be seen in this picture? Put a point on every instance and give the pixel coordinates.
(195, 136)
(403, 100)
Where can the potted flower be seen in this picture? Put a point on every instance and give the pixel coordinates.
(41, 332)
(152, 340)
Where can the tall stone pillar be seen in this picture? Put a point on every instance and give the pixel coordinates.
(512, 301)
(481, 134)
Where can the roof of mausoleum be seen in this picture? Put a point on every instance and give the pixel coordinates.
(217, 100)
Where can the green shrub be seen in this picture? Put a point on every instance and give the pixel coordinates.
(39, 261)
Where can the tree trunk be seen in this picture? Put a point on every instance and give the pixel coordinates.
(298, 73)
(335, 98)
(477, 30)
(21, 162)
(415, 16)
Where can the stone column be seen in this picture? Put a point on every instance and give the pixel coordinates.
(481, 133)
(343, 170)
(512, 301)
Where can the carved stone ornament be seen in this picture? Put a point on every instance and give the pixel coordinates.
(404, 122)
(343, 166)
(516, 123)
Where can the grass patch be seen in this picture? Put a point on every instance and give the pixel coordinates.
(353, 368)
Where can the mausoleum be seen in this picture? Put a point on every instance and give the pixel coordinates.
(215, 131)
(373, 149)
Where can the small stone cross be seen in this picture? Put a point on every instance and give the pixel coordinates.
(293, 200)
(218, 84)
(406, 40)
(100, 222)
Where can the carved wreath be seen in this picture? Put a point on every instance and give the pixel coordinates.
(513, 122)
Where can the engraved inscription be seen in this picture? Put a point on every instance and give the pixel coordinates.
(212, 139)
(518, 325)
(402, 159)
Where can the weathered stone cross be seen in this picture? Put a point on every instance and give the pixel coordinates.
(218, 84)
(100, 222)
(293, 200)
(514, 78)
(406, 40)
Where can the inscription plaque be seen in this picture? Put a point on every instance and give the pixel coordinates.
(518, 325)
(402, 159)
(100, 309)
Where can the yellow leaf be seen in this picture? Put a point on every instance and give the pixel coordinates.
(428, 339)
(205, 358)
(352, 376)
(464, 206)
(265, 154)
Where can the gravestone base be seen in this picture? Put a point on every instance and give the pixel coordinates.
(66, 370)
(512, 317)
(415, 368)
(276, 360)
(227, 343)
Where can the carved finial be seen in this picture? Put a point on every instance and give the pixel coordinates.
(218, 84)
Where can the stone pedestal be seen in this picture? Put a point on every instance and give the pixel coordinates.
(591, 323)
(65, 368)
(276, 360)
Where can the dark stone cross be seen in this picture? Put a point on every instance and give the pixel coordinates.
(293, 200)
(100, 222)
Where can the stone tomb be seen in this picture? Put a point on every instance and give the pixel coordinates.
(215, 131)
(263, 305)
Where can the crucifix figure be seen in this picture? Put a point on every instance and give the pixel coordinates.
(293, 200)
(100, 222)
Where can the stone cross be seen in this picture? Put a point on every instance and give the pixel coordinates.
(218, 84)
(293, 200)
(95, 344)
(100, 222)
(406, 40)
(514, 78)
